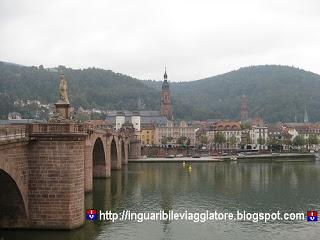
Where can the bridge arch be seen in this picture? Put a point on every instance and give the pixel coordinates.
(99, 160)
(124, 152)
(96, 160)
(13, 211)
(115, 152)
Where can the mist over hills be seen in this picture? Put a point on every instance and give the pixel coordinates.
(276, 93)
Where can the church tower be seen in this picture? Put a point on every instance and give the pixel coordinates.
(166, 105)
(244, 109)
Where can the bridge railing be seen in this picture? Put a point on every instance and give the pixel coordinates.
(56, 128)
(8, 133)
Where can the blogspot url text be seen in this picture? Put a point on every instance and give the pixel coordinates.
(196, 217)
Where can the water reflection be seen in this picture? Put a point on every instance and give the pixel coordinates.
(227, 187)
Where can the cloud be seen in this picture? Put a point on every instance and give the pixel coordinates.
(194, 39)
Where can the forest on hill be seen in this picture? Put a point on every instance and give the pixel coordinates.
(88, 88)
(275, 93)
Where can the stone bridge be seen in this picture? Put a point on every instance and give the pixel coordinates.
(45, 170)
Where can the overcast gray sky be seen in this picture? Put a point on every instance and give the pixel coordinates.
(193, 38)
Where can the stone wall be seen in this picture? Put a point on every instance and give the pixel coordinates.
(56, 183)
(135, 149)
(162, 152)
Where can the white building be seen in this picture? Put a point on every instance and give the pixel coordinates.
(135, 119)
(120, 120)
(259, 136)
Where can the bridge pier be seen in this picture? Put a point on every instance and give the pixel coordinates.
(135, 149)
(56, 181)
(115, 154)
(124, 152)
(88, 167)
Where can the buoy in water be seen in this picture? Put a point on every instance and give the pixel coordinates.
(190, 168)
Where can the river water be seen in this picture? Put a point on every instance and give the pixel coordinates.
(261, 187)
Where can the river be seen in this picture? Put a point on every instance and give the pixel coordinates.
(224, 187)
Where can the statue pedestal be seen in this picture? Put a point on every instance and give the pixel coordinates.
(63, 109)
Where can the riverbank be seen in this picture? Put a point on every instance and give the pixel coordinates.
(246, 158)
(275, 157)
(180, 159)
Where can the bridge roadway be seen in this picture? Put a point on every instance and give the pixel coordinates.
(45, 170)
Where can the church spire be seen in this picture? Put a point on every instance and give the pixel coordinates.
(165, 103)
(165, 84)
(165, 76)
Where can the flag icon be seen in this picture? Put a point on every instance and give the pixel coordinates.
(312, 216)
(91, 214)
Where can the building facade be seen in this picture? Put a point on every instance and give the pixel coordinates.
(175, 134)
(230, 129)
(259, 136)
(147, 134)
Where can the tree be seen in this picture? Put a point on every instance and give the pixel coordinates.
(299, 141)
(169, 139)
(97, 116)
(272, 141)
(233, 140)
(179, 141)
(81, 117)
(6, 105)
(219, 138)
(203, 140)
(188, 142)
(245, 125)
(247, 139)
(164, 140)
(313, 139)
(287, 141)
(261, 141)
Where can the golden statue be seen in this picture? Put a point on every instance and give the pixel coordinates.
(63, 88)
